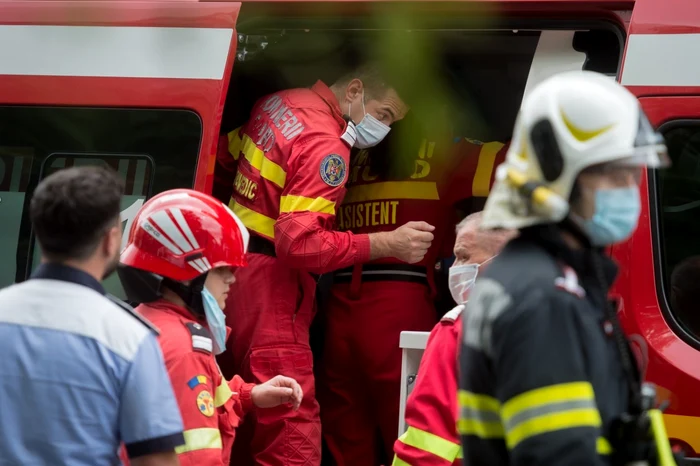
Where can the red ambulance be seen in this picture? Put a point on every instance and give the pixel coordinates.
(147, 87)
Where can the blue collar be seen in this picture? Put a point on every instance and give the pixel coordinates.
(67, 274)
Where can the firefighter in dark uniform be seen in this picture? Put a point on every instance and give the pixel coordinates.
(546, 374)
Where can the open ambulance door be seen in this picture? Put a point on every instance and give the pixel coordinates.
(661, 295)
(138, 86)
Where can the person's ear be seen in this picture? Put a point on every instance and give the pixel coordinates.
(354, 90)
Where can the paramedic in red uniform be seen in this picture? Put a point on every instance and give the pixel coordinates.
(285, 170)
(194, 244)
(431, 409)
(370, 305)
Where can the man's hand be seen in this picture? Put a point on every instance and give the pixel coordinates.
(409, 242)
(277, 391)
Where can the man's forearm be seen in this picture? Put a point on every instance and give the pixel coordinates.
(380, 245)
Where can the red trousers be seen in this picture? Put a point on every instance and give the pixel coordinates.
(269, 309)
(360, 377)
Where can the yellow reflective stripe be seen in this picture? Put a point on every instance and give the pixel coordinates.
(426, 190)
(200, 439)
(308, 204)
(267, 168)
(399, 462)
(479, 415)
(480, 402)
(658, 430)
(484, 168)
(552, 422)
(222, 394)
(602, 446)
(547, 409)
(234, 143)
(547, 395)
(255, 221)
(430, 443)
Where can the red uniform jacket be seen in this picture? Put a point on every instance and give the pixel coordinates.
(211, 407)
(441, 177)
(286, 170)
(431, 408)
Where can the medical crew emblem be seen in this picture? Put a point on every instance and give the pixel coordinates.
(205, 403)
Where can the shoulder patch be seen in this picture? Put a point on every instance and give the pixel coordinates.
(205, 403)
(197, 380)
(452, 315)
(201, 338)
(133, 312)
(333, 170)
(350, 134)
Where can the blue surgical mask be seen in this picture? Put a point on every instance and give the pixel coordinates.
(370, 131)
(216, 321)
(616, 215)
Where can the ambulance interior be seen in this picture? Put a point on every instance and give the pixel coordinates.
(479, 76)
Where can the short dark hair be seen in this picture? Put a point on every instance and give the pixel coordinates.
(372, 79)
(73, 208)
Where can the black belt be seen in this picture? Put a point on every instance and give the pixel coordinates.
(259, 245)
(385, 272)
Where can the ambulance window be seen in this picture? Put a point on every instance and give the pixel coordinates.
(678, 189)
(15, 168)
(153, 150)
(137, 171)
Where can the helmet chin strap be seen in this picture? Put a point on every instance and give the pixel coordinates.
(191, 294)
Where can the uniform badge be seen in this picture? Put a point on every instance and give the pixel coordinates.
(333, 170)
(201, 338)
(196, 381)
(205, 403)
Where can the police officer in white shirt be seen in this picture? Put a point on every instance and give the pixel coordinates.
(81, 374)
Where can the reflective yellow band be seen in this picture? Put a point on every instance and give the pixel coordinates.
(200, 439)
(663, 447)
(234, 143)
(431, 443)
(552, 422)
(484, 169)
(255, 221)
(222, 394)
(547, 409)
(426, 190)
(256, 157)
(306, 204)
(602, 446)
(399, 462)
(479, 415)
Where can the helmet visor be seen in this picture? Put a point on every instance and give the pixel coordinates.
(649, 147)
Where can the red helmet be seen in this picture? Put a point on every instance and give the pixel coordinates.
(181, 234)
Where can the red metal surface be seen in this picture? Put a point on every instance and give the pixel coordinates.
(672, 363)
(203, 96)
(666, 17)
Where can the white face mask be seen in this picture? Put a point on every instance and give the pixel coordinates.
(370, 131)
(462, 278)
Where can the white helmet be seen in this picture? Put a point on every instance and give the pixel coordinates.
(569, 122)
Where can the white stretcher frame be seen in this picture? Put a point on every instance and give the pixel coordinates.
(412, 345)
